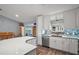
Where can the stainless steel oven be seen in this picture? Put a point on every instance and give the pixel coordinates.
(45, 41)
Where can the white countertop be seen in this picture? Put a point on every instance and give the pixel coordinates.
(72, 37)
(16, 46)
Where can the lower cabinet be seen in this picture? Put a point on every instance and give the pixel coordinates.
(64, 44)
(52, 42)
(73, 47)
(55, 42)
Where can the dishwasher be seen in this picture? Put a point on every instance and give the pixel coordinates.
(45, 41)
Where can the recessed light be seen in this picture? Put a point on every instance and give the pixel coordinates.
(17, 15)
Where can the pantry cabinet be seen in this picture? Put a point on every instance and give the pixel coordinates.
(69, 19)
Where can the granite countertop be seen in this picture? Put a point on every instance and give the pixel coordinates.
(16, 46)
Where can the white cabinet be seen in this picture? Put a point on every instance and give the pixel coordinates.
(59, 43)
(46, 22)
(64, 44)
(57, 16)
(52, 17)
(77, 19)
(55, 42)
(52, 42)
(60, 16)
(69, 19)
(57, 22)
(73, 46)
(39, 22)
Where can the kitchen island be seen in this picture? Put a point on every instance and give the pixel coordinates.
(16, 46)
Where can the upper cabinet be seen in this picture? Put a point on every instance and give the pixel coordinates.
(77, 18)
(62, 20)
(57, 21)
(52, 17)
(57, 16)
(69, 19)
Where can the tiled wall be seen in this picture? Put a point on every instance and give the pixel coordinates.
(73, 32)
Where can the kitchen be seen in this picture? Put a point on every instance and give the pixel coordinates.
(60, 31)
(39, 29)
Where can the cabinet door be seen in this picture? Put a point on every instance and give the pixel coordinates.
(77, 19)
(73, 48)
(65, 44)
(52, 17)
(52, 42)
(59, 16)
(69, 19)
(56, 42)
(59, 43)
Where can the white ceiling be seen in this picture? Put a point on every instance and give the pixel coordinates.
(27, 12)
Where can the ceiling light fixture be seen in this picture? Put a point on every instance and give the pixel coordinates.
(17, 15)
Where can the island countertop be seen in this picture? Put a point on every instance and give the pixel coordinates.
(16, 46)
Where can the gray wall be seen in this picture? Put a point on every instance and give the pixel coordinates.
(30, 22)
(8, 25)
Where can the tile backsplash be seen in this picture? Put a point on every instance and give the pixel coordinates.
(73, 32)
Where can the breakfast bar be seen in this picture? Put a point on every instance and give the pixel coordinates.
(16, 46)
